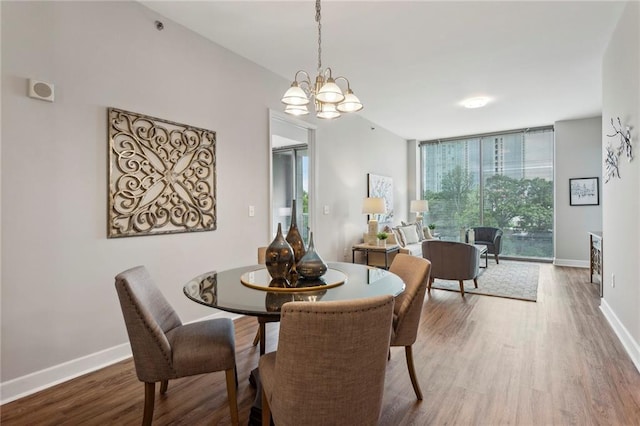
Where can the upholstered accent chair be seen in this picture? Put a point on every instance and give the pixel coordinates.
(329, 368)
(452, 260)
(414, 271)
(490, 237)
(163, 348)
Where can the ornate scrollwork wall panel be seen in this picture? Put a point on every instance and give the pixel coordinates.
(162, 176)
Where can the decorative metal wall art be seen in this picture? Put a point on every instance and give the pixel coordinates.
(162, 176)
(612, 158)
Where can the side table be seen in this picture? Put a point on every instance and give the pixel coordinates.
(366, 248)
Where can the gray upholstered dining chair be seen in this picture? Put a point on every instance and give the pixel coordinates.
(451, 260)
(163, 348)
(329, 368)
(414, 271)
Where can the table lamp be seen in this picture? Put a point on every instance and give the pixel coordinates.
(373, 206)
(418, 207)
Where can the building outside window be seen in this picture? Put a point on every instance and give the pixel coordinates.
(503, 180)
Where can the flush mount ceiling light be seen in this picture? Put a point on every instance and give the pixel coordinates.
(478, 102)
(328, 98)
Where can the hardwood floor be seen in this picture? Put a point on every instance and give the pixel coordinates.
(482, 360)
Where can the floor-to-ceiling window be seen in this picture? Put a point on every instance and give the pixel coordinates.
(504, 180)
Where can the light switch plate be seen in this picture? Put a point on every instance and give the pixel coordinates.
(326, 210)
(252, 211)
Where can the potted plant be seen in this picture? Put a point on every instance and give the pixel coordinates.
(382, 238)
(430, 231)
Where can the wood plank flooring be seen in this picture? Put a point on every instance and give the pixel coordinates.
(480, 361)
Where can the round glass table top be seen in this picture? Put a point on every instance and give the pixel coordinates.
(224, 290)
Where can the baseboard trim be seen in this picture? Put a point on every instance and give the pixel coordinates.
(43, 379)
(571, 263)
(37, 381)
(630, 345)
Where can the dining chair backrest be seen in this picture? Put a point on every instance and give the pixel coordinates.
(262, 255)
(330, 364)
(148, 317)
(414, 271)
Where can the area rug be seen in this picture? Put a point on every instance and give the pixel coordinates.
(513, 280)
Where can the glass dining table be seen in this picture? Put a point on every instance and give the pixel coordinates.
(249, 290)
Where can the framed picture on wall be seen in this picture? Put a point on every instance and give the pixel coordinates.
(584, 192)
(381, 187)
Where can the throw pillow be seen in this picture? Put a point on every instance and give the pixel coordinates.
(419, 229)
(409, 234)
(399, 236)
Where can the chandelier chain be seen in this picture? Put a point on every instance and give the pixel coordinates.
(318, 17)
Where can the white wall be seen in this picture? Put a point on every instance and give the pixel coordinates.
(59, 307)
(577, 155)
(621, 197)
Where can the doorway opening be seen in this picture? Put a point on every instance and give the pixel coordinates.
(291, 173)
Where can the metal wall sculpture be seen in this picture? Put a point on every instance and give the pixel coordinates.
(162, 176)
(611, 160)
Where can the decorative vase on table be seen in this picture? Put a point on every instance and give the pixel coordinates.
(311, 266)
(293, 236)
(279, 257)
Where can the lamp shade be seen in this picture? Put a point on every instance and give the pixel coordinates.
(419, 206)
(327, 111)
(295, 96)
(296, 110)
(330, 92)
(351, 103)
(373, 206)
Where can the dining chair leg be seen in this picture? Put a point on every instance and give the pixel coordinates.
(149, 399)
(256, 339)
(266, 410)
(497, 261)
(261, 330)
(430, 282)
(475, 282)
(232, 395)
(461, 287)
(412, 372)
(164, 385)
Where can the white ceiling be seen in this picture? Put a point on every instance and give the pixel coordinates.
(411, 63)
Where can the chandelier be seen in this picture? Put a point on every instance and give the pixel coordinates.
(329, 100)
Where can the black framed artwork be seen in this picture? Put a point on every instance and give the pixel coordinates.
(584, 191)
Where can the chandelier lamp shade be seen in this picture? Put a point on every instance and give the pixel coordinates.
(329, 100)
